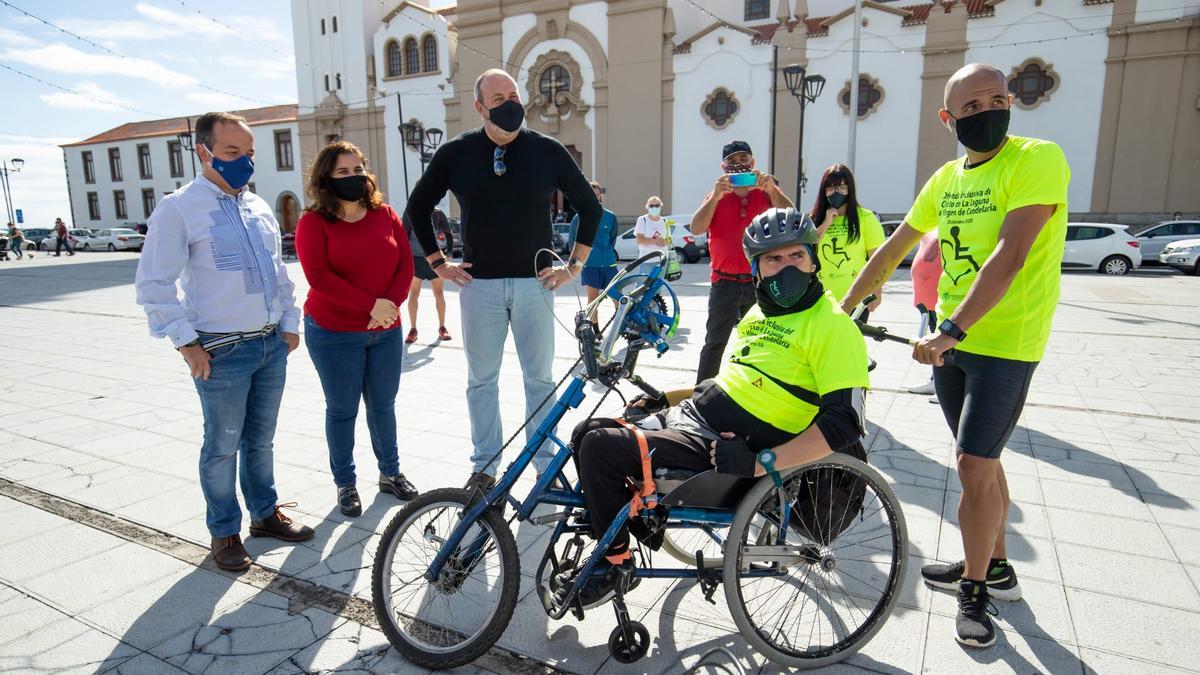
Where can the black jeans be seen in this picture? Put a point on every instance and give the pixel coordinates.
(606, 452)
(728, 302)
(58, 246)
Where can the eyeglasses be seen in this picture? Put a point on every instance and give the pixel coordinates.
(843, 188)
(498, 161)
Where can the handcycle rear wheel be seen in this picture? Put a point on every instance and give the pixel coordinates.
(455, 618)
(825, 593)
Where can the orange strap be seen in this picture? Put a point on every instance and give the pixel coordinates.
(649, 492)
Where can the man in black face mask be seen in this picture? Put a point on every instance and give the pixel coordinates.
(504, 176)
(795, 382)
(1001, 217)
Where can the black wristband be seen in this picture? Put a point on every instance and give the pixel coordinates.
(193, 343)
(437, 263)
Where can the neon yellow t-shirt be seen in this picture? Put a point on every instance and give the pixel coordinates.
(842, 259)
(819, 349)
(968, 206)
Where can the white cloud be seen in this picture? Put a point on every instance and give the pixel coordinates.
(63, 59)
(216, 99)
(15, 39)
(90, 97)
(40, 189)
(266, 69)
(158, 23)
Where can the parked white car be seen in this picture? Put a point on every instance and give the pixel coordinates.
(1155, 238)
(689, 246)
(116, 239)
(1104, 247)
(1183, 255)
(77, 236)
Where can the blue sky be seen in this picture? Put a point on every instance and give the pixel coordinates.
(171, 59)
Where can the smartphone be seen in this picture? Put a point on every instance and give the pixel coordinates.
(747, 179)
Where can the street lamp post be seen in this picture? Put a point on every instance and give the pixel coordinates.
(806, 88)
(185, 141)
(5, 170)
(425, 141)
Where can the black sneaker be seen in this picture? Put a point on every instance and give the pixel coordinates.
(348, 501)
(1001, 579)
(480, 482)
(397, 485)
(598, 590)
(973, 625)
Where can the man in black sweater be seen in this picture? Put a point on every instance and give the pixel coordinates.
(504, 177)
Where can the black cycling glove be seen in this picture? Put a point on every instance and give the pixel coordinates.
(734, 456)
(652, 404)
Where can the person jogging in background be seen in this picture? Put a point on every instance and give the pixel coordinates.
(1000, 214)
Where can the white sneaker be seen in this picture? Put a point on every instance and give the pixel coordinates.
(925, 388)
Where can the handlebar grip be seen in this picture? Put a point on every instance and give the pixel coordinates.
(646, 387)
(587, 343)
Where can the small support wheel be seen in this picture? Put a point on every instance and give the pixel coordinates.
(625, 650)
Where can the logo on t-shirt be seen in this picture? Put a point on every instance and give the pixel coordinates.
(959, 252)
(831, 249)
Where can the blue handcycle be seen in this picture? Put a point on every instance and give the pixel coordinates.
(812, 558)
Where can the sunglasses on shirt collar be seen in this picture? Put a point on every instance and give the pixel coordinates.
(498, 166)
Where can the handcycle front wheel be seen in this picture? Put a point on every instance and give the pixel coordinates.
(455, 618)
(811, 591)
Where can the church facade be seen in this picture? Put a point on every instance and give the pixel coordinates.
(645, 92)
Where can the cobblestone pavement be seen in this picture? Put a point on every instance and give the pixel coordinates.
(102, 559)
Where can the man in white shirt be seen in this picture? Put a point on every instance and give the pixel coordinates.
(235, 326)
(651, 231)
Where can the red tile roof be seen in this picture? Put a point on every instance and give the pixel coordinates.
(919, 14)
(170, 127)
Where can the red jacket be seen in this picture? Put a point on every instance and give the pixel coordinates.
(351, 265)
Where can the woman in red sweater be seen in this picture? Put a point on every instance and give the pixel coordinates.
(355, 254)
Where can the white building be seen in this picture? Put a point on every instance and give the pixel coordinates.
(645, 92)
(115, 178)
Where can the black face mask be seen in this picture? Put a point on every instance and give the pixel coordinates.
(349, 188)
(837, 199)
(983, 131)
(787, 291)
(508, 115)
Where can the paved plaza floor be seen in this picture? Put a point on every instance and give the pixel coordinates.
(103, 563)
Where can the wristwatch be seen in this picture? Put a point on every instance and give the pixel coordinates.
(575, 263)
(193, 343)
(948, 327)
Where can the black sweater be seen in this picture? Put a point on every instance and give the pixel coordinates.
(505, 219)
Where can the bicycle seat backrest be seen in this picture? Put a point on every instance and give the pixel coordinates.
(708, 489)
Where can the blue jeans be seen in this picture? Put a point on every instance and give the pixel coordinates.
(15, 246)
(240, 402)
(489, 307)
(357, 365)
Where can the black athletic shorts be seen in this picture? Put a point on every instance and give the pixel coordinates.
(422, 269)
(982, 398)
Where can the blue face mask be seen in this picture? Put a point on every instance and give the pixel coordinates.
(236, 173)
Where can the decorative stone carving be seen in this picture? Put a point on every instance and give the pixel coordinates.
(719, 108)
(555, 84)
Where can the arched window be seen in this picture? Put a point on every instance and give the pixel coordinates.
(412, 57)
(395, 63)
(339, 80)
(553, 80)
(429, 61)
(1032, 82)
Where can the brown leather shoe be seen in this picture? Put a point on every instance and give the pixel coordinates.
(279, 526)
(229, 554)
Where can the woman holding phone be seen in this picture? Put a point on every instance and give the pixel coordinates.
(356, 256)
(849, 234)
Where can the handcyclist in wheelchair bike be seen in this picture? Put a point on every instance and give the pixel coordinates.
(811, 558)
(795, 383)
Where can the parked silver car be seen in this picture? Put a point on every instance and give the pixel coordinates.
(1183, 255)
(1155, 238)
